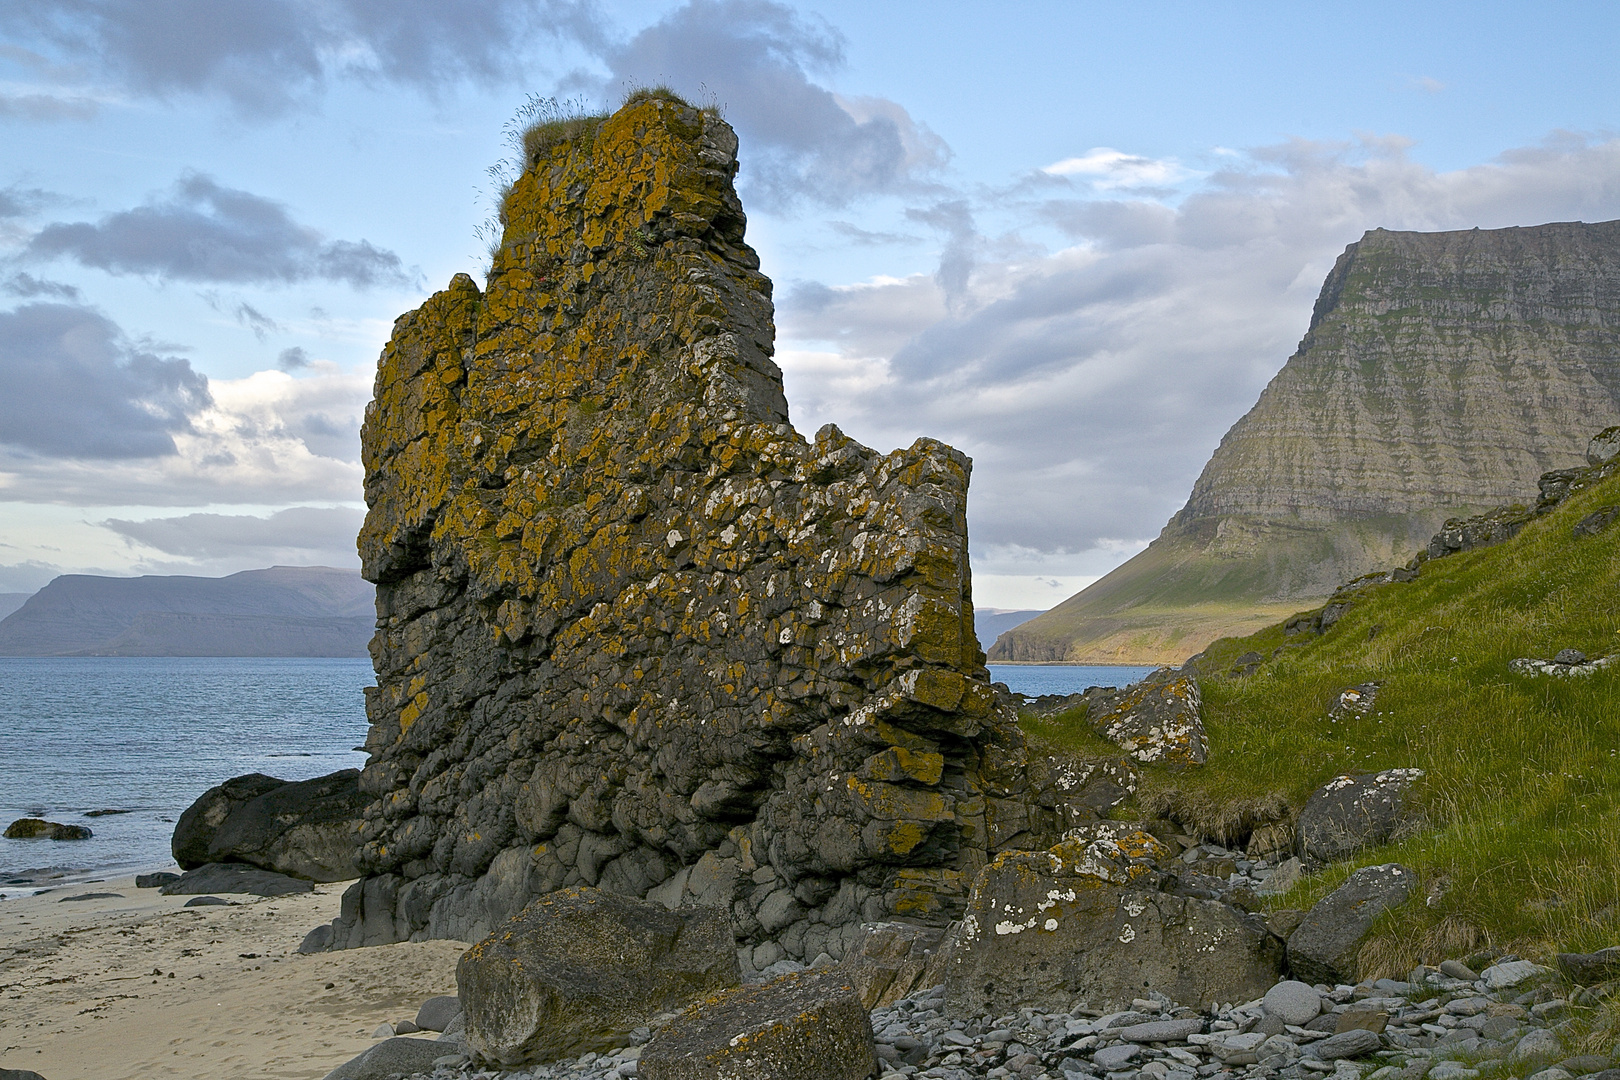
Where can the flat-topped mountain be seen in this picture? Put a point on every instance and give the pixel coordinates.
(1441, 375)
(281, 611)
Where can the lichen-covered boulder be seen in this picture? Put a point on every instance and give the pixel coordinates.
(578, 970)
(804, 1026)
(633, 625)
(307, 828)
(1156, 721)
(1086, 923)
(1349, 813)
(1324, 947)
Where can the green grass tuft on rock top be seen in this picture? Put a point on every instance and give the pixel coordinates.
(1521, 791)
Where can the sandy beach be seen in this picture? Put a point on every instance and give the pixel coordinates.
(138, 985)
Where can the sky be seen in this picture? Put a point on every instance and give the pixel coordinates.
(1074, 240)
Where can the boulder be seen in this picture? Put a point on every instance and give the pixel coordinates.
(1292, 1002)
(33, 828)
(308, 829)
(1507, 975)
(1087, 923)
(437, 1012)
(1283, 879)
(235, 878)
(1324, 946)
(155, 881)
(1589, 969)
(1349, 813)
(1595, 522)
(1157, 720)
(803, 1026)
(578, 969)
(1604, 446)
(200, 820)
(1354, 1043)
(893, 959)
(19, 1074)
(390, 1060)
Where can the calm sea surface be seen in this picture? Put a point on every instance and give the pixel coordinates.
(1036, 679)
(150, 734)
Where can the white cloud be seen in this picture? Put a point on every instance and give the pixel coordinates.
(269, 439)
(1091, 383)
(1106, 167)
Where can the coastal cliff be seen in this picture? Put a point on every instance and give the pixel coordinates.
(634, 630)
(1441, 375)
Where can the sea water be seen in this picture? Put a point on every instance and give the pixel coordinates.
(147, 735)
(1037, 679)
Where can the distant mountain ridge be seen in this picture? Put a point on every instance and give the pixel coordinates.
(280, 611)
(1441, 375)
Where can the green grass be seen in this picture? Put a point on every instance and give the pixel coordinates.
(1521, 849)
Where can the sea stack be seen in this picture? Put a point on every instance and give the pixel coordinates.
(634, 631)
(1442, 374)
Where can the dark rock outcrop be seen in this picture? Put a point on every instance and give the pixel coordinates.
(308, 828)
(635, 632)
(1325, 945)
(1589, 969)
(578, 970)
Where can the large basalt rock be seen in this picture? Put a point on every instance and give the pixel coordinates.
(1324, 947)
(199, 822)
(578, 970)
(1086, 923)
(1349, 813)
(632, 625)
(805, 1026)
(308, 828)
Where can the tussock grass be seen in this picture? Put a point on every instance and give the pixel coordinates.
(1519, 845)
(543, 123)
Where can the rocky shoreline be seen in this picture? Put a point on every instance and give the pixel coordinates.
(1447, 1023)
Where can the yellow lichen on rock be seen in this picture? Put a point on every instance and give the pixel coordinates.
(630, 620)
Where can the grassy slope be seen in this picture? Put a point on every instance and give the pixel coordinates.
(1522, 791)
(1183, 592)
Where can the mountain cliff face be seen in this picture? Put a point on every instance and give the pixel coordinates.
(634, 630)
(1441, 375)
(279, 611)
